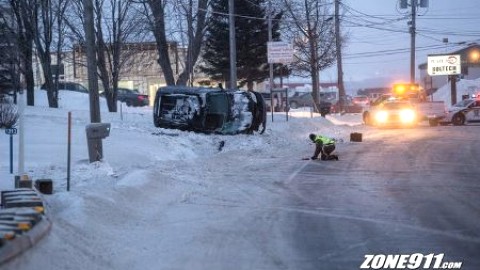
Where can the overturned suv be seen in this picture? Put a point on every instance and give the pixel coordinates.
(209, 110)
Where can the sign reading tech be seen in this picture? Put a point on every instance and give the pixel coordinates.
(444, 65)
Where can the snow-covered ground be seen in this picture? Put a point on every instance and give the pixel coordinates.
(464, 87)
(141, 161)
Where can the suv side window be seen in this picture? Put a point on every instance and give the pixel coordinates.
(82, 88)
(68, 86)
(77, 87)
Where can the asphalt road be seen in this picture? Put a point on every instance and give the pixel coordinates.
(400, 191)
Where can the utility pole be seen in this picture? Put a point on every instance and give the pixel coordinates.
(89, 28)
(338, 45)
(91, 61)
(414, 4)
(412, 41)
(233, 47)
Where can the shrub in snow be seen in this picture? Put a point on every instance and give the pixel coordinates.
(8, 115)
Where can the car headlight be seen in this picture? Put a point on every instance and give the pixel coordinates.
(407, 116)
(381, 116)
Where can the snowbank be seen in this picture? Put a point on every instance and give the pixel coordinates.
(464, 87)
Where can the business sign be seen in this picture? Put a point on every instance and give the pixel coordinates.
(444, 65)
(279, 52)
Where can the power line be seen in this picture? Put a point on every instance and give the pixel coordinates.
(391, 51)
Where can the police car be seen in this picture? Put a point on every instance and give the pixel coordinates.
(465, 111)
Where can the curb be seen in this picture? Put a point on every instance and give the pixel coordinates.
(26, 240)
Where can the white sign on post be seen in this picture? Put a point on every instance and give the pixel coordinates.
(279, 52)
(444, 65)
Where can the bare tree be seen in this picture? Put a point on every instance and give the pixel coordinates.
(119, 25)
(310, 27)
(49, 19)
(192, 37)
(22, 25)
(122, 25)
(193, 13)
(9, 54)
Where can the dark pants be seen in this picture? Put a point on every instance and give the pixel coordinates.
(325, 150)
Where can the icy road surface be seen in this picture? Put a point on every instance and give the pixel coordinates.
(398, 192)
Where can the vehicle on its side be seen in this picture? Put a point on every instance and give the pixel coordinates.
(69, 86)
(463, 112)
(431, 111)
(394, 113)
(132, 97)
(209, 110)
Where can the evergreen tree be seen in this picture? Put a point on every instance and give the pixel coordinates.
(251, 32)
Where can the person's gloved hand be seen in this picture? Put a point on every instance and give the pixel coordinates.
(313, 158)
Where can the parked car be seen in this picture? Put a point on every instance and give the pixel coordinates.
(132, 97)
(300, 100)
(348, 107)
(209, 110)
(69, 86)
(361, 100)
(279, 101)
(306, 100)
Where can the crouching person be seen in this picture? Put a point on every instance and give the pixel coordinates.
(324, 146)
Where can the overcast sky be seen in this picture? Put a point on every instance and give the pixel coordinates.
(379, 42)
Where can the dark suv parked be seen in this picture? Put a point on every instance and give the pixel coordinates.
(132, 97)
(301, 100)
(306, 100)
(209, 110)
(69, 86)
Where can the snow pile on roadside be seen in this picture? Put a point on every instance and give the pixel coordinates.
(464, 87)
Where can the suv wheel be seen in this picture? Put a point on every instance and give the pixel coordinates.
(293, 105)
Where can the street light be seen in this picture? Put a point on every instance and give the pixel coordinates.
(474, 56)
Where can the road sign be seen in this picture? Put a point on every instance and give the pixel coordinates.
(444, 65)
(279, 52)
(10, 131)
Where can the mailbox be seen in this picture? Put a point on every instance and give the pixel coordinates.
(98, 130)
(95, 133)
